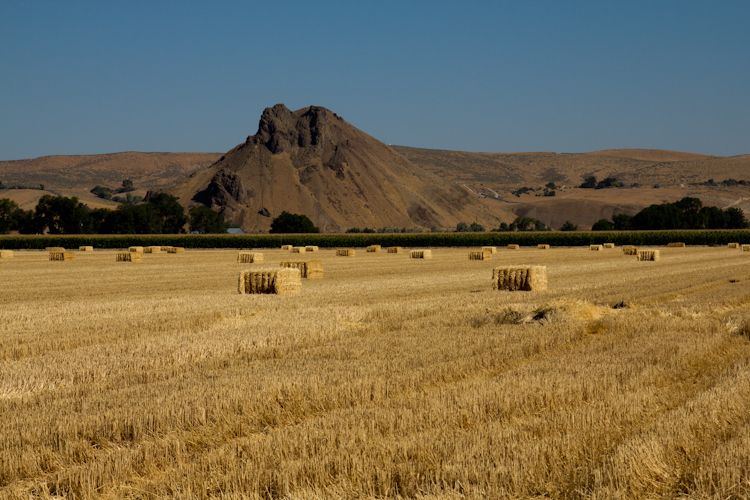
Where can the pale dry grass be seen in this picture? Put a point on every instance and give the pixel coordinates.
(390, 377)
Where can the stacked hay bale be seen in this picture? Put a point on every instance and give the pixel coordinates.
(733, 245)
(86, 249)
(249, 258)
(286, 247)
(311, 248)
(480, 255)
(543, 246)
(6, 254)
(281, 281)
(310, 269)
(373, 249)
(345, 252)
(490, 249)
(129, 257)
(152, 249)
(676, 244)
(298, 250)
(513, 246)
(629, 250)
(62, 256)
(135, 249)
(652, 255)
(395, 250)
(175, 249)
(421, 254)
(596, 248)
(609, 245)
(513, 278)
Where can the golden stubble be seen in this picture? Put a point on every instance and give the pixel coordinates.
(390, 377)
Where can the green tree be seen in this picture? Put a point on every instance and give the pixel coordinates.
(206, 221)
(287, 223)
(8, 209)
(62, 215)
(589, 182)
(462, 227)
(476, 228)
(602, 225)
(127, 185)
(569, 226)
(102, 192)
(170, 211)
(621, 222)
(737, 219)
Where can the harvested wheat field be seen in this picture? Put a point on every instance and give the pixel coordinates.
(387, 378)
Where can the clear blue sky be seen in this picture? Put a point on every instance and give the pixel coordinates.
(89, 77)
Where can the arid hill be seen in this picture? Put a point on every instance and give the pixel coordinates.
(313, 162)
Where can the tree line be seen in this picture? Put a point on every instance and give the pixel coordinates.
(161, 214)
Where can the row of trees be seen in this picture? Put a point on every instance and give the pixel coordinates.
(162, 214)
(688, 213)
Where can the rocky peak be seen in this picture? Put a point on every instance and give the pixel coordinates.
(281, 130)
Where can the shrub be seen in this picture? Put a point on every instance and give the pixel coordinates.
(287, 223)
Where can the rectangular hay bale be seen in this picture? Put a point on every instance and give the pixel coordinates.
(86, 249)
(609, 245)
(746, 248)
(55, 249)
(513, 246)
(6, 254)
(249, 258)
(629, 250)
(175, 249)
(345, 252)
(543, 246)
(652, 255)
(135, 249)
(298, 250)
(490, 249)
(480, 255)
(524, 278)
(676, 244)
(152, 249)
(280, 281)
(62, 256)
(311, 248)
(733, 245)
(596, 248)
(286, 247)
(373, 249)
(421, 254)
(395, 249)
(129, 257)
(310, 269)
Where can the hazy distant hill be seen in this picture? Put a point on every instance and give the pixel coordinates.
(313, 162)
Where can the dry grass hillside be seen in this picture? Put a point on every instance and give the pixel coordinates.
(495, 176)
(313, 162)
(389, 378)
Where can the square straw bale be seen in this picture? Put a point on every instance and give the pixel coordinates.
(311, 248)
(373, 248)
(55, 249)
(62, 256)
(175, 249)
(652, 255)
(543, 246)
(746, 248)
(513, 246)
(421, 254)
(629, 250)
(152, 249)
(345, 252)
(480, 255)
(733, 245)
(609, 245)
(395, 249)
(129, 257)
(676, 244)
(513, 278)
(249, 258)
(298, 250)
(490, 249)
(6, 254)
(286, 247)
(86, 249)
(310, 269)
(135, 249)
(596, 248)
(280, 281)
